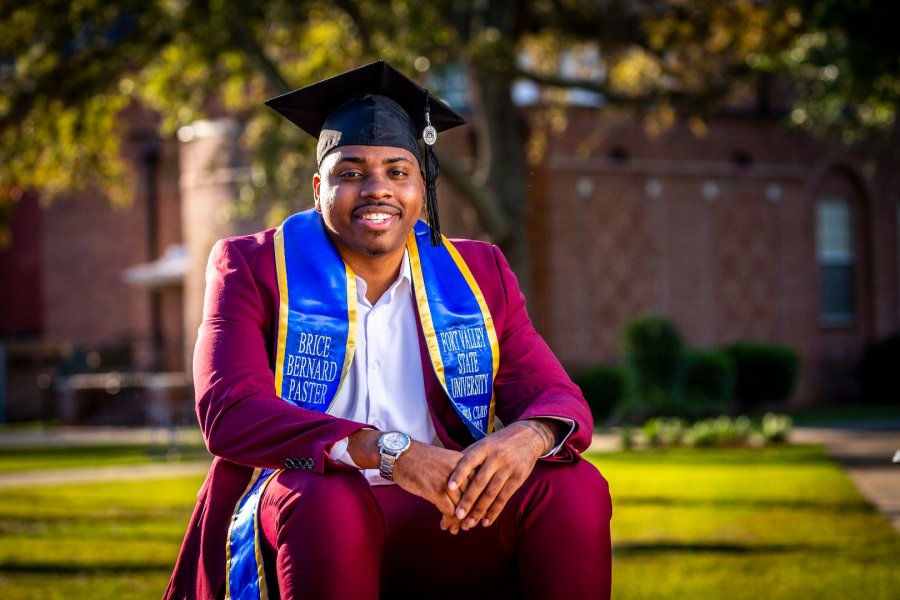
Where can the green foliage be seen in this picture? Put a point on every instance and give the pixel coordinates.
(664, 431)
(877, 371)
(653, 349)
(765, 372)
(603, 387)
(73, 67)
(668, 379)
(844, 65)
(776, 428)
(721, 431)
(708, 381)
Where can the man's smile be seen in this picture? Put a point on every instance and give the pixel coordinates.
(376, 216)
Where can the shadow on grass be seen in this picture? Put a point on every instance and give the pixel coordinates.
(798, 504)
(669, 547)
(55, 568)
(785, 455)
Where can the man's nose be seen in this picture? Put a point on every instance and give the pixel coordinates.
(376, 185)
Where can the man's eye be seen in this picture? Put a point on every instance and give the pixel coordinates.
(398, 173)
(350, 174)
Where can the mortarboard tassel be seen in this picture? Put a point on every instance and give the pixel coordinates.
(432, 172)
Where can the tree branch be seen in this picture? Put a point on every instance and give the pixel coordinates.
(256, 54)
(486, 205)
(704, 98)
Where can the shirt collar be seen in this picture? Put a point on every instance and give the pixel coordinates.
(403, 278)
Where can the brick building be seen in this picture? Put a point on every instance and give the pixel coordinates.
(741, 231)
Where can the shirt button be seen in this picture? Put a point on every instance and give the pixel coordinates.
(375, 364)
(377, 423)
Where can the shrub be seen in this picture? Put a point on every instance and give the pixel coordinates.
(776, 428)
(603, 387)
(708, 382)
(664, 431)
(653, 348)
(877, 371)
(717, 432)
(721, 431)
(764, 372)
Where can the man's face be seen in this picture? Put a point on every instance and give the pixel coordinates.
(370, 197)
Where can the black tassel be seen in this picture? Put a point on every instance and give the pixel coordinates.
(432, 172)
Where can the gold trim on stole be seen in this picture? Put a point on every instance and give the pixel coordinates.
(428, 325)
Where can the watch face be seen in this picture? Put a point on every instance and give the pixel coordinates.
(394, 441)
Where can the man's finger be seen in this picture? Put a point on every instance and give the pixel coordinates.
(464, 470)
(499, 504)
(446, 506)
(476, 488)
(485, 500)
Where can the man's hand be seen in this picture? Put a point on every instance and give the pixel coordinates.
(492, 469)
(424, 470)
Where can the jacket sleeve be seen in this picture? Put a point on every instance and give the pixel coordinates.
(531, 382)
(242, 418)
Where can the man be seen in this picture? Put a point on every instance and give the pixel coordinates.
(385, 420)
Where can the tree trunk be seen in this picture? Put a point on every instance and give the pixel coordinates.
(503, 168)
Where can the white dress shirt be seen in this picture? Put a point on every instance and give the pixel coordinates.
(384, 386)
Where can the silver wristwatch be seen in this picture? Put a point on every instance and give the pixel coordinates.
(390, 446)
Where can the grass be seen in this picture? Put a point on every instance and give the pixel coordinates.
(65, 457)
(770, 523)
(92, 541)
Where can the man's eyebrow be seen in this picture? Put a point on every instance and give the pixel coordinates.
(396, 159)
(359, 160)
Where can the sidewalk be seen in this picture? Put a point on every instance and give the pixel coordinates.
(866, 455)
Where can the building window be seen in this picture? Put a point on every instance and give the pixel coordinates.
(837, 260)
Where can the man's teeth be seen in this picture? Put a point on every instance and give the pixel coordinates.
(377, 217)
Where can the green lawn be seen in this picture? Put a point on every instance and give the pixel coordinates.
(92, 541)
(66, 457)
(776, 523)
(773, 523)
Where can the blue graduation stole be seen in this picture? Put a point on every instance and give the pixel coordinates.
(317, 338)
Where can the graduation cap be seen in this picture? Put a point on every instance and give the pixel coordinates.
(373, 105)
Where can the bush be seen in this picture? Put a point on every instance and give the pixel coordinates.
(721, 431)
(776, 428)
(603, 387)
(877, 371)
(653, 349)
(764, 372)
(664, 432)
(708, 382)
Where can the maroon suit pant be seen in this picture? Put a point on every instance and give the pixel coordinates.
(334, 536)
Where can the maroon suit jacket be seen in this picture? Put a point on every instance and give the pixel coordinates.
(246, 425)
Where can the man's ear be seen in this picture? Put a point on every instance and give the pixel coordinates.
(316, 182)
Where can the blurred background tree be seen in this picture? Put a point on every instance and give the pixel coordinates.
(68, 69)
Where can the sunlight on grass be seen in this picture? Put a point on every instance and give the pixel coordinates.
(92, 541)
(772, 523)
